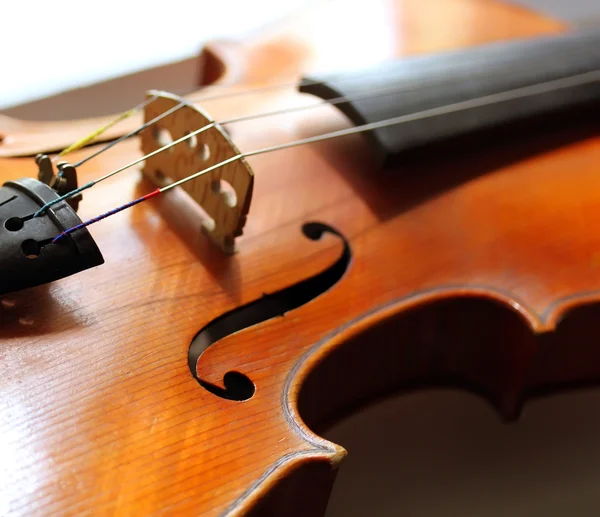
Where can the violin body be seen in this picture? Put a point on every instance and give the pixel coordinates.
(478, 270)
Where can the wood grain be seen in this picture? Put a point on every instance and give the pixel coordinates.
(100, 413)
(223, 194)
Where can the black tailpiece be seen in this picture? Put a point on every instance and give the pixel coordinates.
(27, 256)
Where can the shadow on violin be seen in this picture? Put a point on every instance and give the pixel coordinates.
(422, 174)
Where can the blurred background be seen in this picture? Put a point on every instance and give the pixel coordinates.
(126, 46)
(435, 453)
(112, 52)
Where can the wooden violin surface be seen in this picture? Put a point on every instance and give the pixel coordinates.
(476, 269)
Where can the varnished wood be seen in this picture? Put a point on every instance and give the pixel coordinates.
(493, 246)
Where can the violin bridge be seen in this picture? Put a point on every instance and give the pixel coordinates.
(223, 194)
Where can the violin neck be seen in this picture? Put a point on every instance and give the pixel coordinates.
(468, 92)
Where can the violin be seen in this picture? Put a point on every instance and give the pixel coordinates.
(407, 198)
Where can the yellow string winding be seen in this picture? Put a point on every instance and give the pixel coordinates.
(86, 140)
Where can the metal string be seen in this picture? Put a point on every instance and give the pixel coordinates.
(196, 100)
(526, 91)
(342, 76)
(131, 133)
(337, 100)
(87, 139)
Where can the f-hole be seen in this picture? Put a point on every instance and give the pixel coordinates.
(238, 386)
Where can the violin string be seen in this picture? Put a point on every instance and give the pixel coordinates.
(190, 135)
(325, 78)
(195, 99)
(336, 100)
(87, 139)
(202, 97)
(526, 91)
(131, 133)
(158, 118)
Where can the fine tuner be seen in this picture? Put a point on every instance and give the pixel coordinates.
(289, 246)
(183, 146)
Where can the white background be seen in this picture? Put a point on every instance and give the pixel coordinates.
(51, 46)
